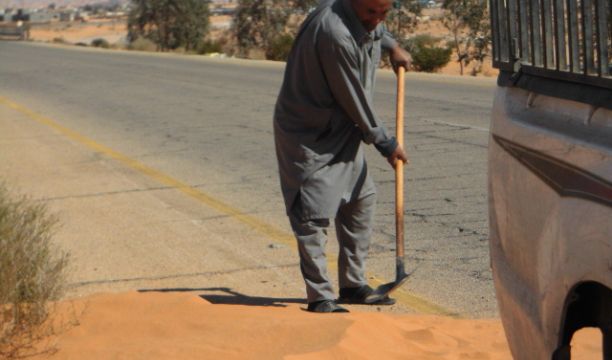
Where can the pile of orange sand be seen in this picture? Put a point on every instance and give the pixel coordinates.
(175, 325)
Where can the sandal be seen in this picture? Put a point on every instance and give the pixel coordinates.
(326, 306)
(359, 296)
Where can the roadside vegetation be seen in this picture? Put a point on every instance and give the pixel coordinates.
(427, 55)
(31, 274)
(265, 29)
(99, 42)
(470, 26)
(169, 24)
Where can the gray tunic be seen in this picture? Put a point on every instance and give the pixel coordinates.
(324, 111)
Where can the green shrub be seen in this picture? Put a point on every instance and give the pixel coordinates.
(142, 44)
(210, 46)
(279, 47)
(59, 40)
(426, 54)
(101, 43)
(31, 273)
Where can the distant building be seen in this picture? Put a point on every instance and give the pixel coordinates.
(20, 15)
(115, 14)
(223, 11)
(8, 15)
(68, 15)
(81, 16)
(43, 16)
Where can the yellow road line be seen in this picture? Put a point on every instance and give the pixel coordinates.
(414, 302)
(408, 299)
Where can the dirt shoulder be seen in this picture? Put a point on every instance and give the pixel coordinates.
(125, 231)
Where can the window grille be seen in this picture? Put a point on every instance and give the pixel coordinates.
(562, 39)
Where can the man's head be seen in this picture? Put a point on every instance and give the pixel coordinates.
(371, 12)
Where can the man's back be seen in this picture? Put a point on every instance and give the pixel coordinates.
(305, 84)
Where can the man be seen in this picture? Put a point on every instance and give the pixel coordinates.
(323, 113)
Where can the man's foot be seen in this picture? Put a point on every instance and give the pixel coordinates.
(326, 306)
(358, 295)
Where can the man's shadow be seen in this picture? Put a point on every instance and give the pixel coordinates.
(227, 296)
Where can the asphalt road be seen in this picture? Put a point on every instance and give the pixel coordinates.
(207, 122)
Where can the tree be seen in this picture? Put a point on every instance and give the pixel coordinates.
(262, 24)
(468, 22)
(402, 20)
(170, 24)
(256, 22)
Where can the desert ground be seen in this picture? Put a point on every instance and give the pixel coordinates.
(114, 31)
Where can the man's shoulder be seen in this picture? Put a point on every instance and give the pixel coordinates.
(332, 25)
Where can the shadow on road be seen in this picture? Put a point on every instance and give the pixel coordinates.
(227, 296)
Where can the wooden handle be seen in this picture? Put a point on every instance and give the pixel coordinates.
(399, 167)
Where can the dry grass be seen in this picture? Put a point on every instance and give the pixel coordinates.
(31, 273)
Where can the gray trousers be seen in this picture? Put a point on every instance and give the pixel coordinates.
(353, 228)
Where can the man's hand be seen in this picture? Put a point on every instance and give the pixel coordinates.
(400, 57)
(398, 154)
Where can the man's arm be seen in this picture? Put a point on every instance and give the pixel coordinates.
(340, 65)
(387, 42)
(398, 56)
(341, 68)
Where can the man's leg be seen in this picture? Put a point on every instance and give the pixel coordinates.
(312, 237)
(354, 230)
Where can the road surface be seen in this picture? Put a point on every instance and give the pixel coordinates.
(205, 124)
